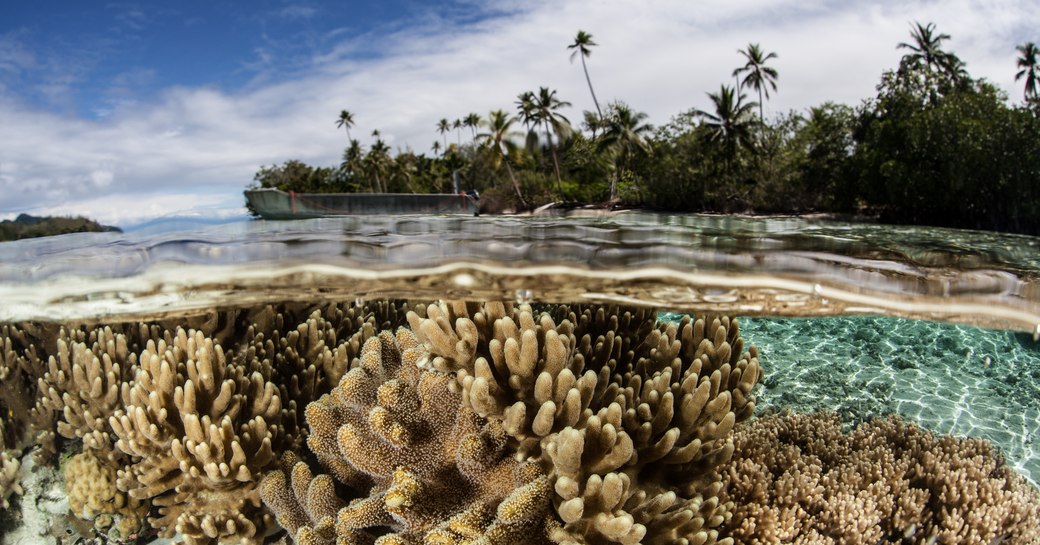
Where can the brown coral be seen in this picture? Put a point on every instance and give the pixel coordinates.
(799, 479)
(90, 482)
(627, 416)
(19, 367)
(200, 429)
(10, 476)
(82, 383)
(430, 470)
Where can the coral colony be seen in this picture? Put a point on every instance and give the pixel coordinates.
(492, 423)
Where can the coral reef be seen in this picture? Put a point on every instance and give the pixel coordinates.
(19, 360)
(605, 425)
(10, 477)
(797, 478)
(199, 429)
(90, 482)
(187, 427)
(628, 417)
(82, 382)
(430, 470)
(471, 423)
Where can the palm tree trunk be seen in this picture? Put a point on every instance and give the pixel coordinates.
(589, 81)
(516, 185)
(556, 162)
(761, 108)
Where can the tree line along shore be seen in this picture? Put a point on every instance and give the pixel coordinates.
(934, 146)
(27, 226)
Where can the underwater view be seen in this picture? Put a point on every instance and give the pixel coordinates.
(614, 378)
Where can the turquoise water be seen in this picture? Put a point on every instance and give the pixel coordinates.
(950, 379)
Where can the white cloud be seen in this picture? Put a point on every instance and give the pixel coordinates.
(660, 56)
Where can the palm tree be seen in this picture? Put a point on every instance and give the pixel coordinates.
(927, 55)
(582, 46)
(1029, 63)
(757, 75)
(436, 147)
(352, 157)
(729, 126)
(498, 142)
(378, 161)
(472, 120)
(457, 125)
(592, 122)
(443, 126)
(528, 115)
(526, 109)
(346, 121)
(624, 133)
(546, 105)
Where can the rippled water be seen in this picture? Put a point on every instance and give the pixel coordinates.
(940, 326)
(742, 266)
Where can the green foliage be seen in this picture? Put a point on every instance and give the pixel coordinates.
(964, 159)
(26, 226)
(933, 146)
(297, 176)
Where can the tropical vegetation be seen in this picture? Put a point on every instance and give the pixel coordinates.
(934, 145)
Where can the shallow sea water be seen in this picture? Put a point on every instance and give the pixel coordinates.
(938, 326)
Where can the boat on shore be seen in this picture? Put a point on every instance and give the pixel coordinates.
(275, 204)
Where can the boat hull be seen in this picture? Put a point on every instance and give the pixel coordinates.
(279, 205)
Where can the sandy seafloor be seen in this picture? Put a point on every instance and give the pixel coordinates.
(949, 379)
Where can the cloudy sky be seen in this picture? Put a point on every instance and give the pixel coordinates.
(125, 111)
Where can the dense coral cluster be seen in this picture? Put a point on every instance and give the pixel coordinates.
(477, 423)
(199, 429)
(797, 478)
(629, 417)
(430, 470)
(187, 426)
(81, 384)
(612, 420)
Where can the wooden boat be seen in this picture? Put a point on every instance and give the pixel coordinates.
(275, 204)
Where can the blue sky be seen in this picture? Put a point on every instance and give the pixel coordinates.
(125, 111)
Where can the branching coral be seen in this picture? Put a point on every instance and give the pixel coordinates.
(192, 426)
(799, 479)
(82, 384)
(10, 479)
(431, 471)
(199, 429)
(612, 422)
(19, 365)
(628, 418)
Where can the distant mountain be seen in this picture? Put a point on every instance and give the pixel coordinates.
(27, 226)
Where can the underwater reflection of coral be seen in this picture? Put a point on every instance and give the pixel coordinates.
(604, 426)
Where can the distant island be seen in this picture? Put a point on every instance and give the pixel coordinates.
(27, 226)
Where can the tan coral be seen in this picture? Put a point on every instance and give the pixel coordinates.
(82, 384)
(200, 430)
(20, 365)
(427, 468)
(627, 417)
(90, 482)
(799, 479)
(10, 477)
